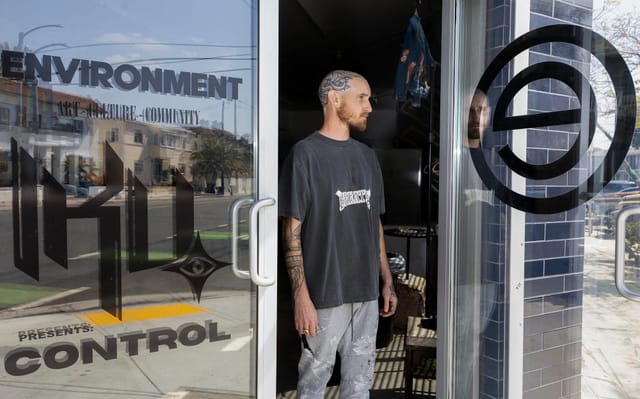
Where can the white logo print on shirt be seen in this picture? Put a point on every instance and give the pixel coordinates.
(348, 198)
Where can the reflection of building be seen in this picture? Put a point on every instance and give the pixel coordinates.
(65, 138)
(46, 123)
(151, 152)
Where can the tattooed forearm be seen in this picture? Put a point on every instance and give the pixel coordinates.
(296, 275)
(291, 230)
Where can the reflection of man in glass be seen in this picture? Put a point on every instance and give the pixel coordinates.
(476, 292)
(479, 112)
(477, 123)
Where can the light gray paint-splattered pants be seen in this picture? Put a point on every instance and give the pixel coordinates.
(350, 330)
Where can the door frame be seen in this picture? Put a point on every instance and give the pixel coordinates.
(267, 187)
(449, 190)
(456, 16)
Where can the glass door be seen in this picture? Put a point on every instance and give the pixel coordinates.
(138, 246)
(609, 334)
(539, 266)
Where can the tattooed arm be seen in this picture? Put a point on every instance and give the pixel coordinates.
(305, 315)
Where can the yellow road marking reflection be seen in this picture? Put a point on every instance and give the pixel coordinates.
(103, 318)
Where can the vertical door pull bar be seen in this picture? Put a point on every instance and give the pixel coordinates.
(621, 233)
(235, 209)
(256, 277)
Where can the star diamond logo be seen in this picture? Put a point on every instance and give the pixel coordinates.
(196, 266)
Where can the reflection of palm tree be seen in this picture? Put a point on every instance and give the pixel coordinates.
(217, 157)
(68, 162)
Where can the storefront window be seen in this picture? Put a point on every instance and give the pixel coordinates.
(115, 280)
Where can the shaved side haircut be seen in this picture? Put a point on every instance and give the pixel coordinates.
(335, 80)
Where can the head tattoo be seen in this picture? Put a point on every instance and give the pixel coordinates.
(335, 80)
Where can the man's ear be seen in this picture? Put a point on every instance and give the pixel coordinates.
(334, 98)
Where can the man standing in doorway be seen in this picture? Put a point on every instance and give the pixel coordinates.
(331, 198)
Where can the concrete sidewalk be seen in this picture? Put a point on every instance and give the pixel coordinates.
(611, 327)
(149, 358)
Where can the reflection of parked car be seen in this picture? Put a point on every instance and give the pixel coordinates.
(607, 199)
(624, 201)
(615, 186)
(628, 191)
(75, 191)
(628, 200)
(605, 205)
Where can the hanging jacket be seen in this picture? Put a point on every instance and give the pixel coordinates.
(414, 64)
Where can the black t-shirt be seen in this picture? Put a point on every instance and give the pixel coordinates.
(335, 189)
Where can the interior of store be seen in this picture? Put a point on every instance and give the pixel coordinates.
(368, 37)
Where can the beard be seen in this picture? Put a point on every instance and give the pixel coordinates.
(474, 132)
(354, 122)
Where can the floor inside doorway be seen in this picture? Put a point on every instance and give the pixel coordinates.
(388, 376)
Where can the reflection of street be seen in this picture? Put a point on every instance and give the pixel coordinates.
(611, 345)
(189, 354)
(208, 366)
(211, 219)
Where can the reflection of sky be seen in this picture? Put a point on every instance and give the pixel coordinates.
(158, 34)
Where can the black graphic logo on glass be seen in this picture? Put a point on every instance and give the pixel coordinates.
(623, 85)
(190, 260)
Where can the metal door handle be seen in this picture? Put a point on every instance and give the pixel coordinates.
(621, 233)
(256, 277)
(235, 208)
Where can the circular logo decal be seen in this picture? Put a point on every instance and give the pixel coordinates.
(623, 85)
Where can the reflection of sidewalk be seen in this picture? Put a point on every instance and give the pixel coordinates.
(200, 352)
(610, 343)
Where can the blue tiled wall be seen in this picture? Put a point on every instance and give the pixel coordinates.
(553, 243)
